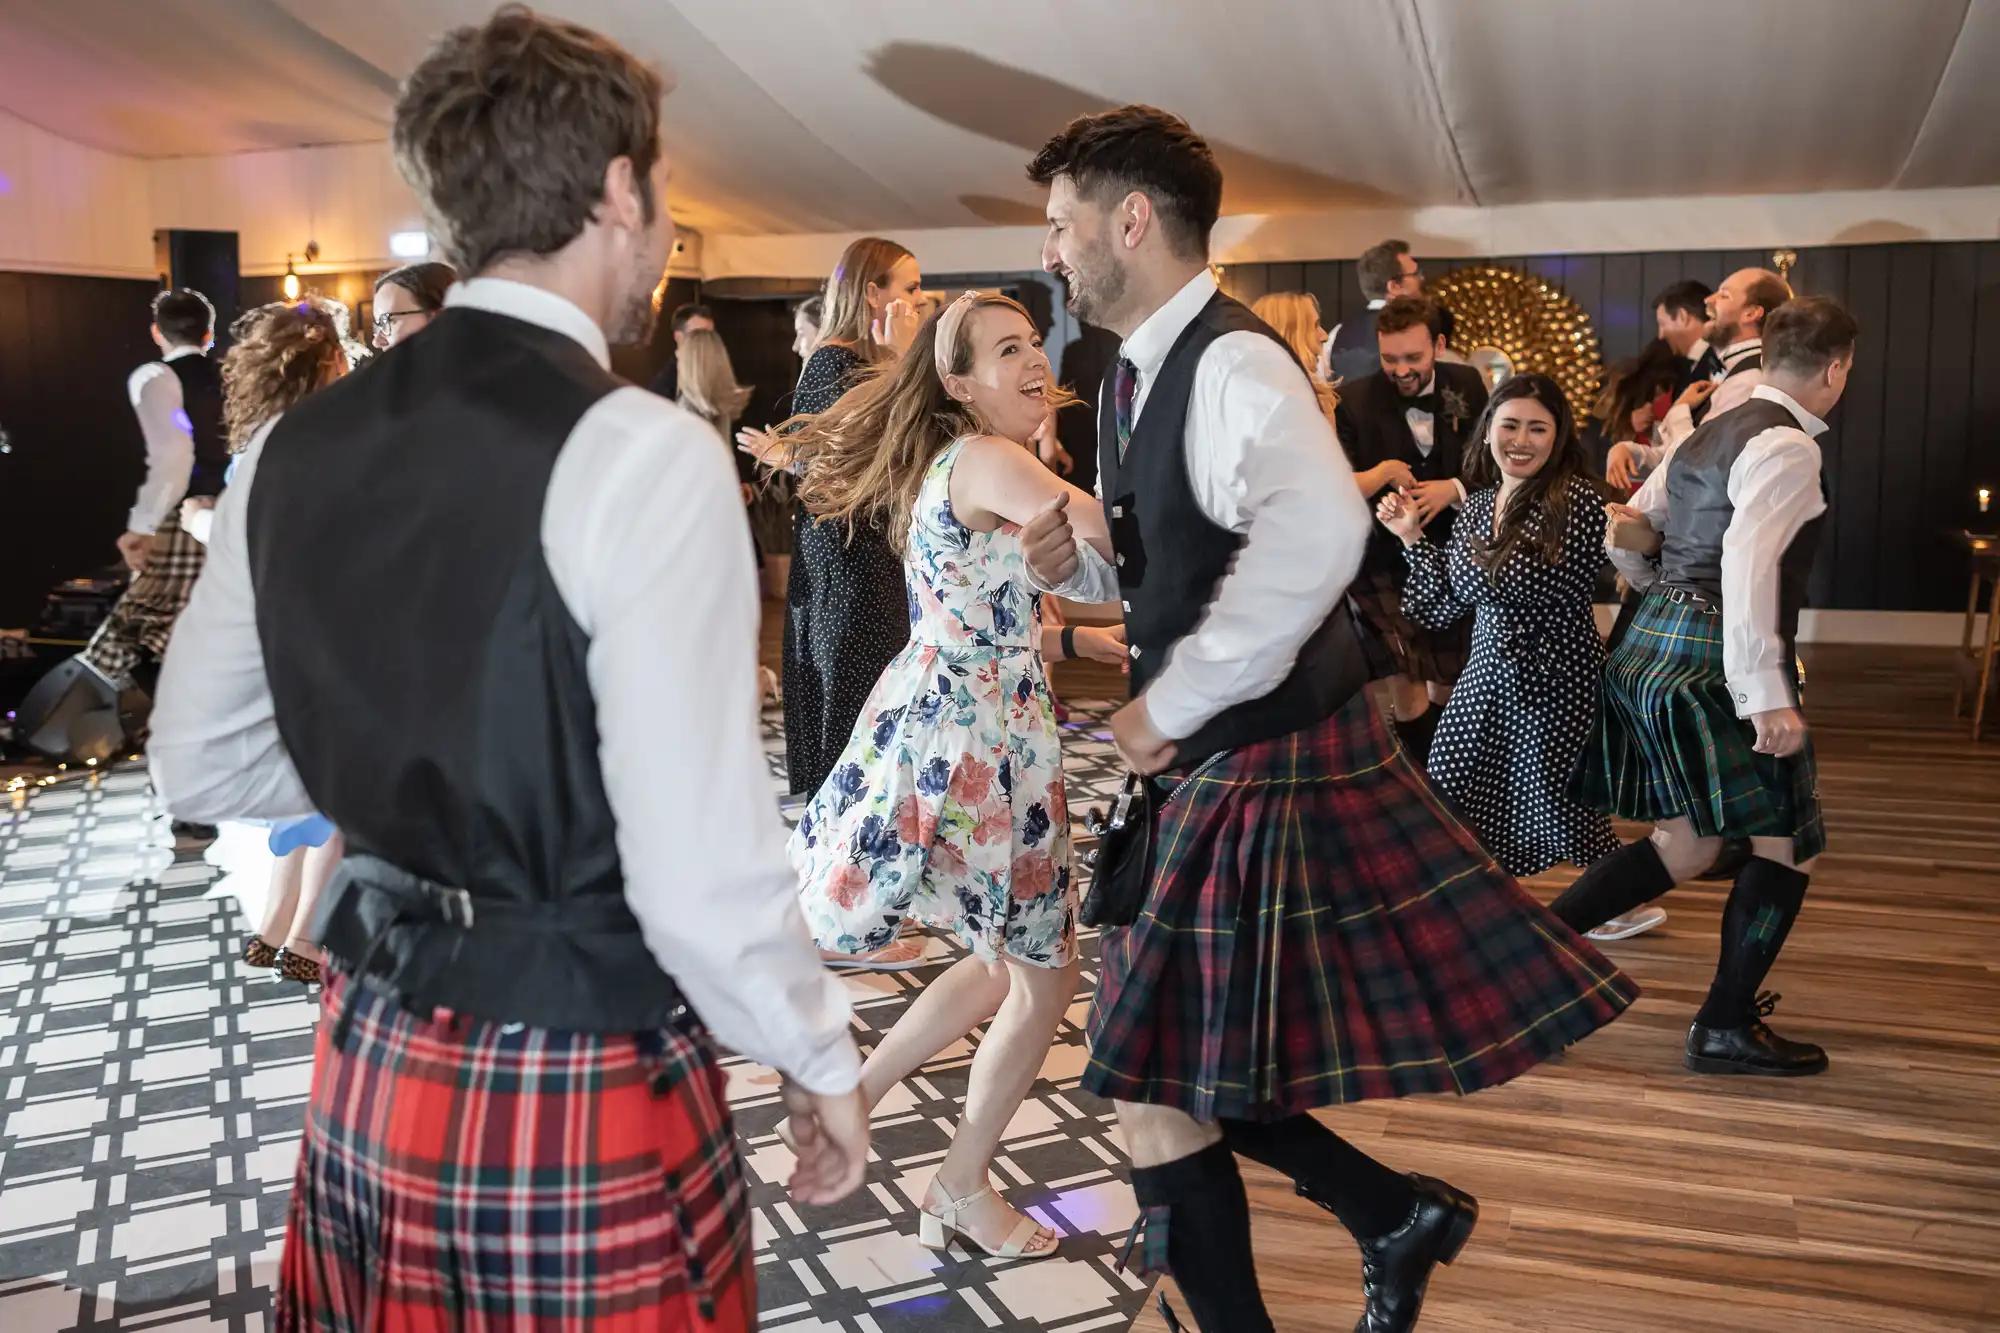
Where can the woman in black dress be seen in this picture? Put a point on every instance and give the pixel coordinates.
(1523, 559)
(848, 611)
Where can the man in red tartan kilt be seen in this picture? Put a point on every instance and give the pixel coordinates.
(448, 603)
(1318, 927)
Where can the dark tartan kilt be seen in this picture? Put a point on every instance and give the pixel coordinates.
(1668, 744)
(1398, 646)
(1322, 929)
(459, 1174)
(143, 619)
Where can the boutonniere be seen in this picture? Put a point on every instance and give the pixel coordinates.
(1456, 409)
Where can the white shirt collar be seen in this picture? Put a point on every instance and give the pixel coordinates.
(1378, 302)
(533, 305)
(180, 352)
(1736, 351)
(1808, 423)
(1149, 344)
(1699, 350)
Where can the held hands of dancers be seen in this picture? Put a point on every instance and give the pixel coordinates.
(1100, 643)
(1628, 530)
(1432, 497)
(896, 327)
(1139, 742)
(829, 1133)
(1389, 472)
(1621, 465)
(1048, 543)
(1780, 732)
(1400, 514)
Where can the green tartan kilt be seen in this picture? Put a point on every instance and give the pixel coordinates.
(1667, 742)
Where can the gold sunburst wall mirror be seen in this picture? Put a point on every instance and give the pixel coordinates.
(1507, 323)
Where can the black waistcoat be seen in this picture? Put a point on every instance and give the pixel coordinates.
(1171, 556)
(430, 682)
(1699, 511)
(201, 399)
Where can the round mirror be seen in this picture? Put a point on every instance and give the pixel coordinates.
(1493, 364)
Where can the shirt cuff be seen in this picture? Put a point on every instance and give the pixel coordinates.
(833, 1071)
(140, 521)
(1177, 712)
(1461, 490)
(1094, 582)
(1761, 692)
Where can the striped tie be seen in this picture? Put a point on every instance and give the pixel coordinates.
(1123, 390)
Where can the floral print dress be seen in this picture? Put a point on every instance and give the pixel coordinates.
(947, 805)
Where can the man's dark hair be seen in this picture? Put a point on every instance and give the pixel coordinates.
(183, 316)
(1145, 149)
(1770, 292)
(1409, 312)
(505, 132)
(1379, 266)
(1803, 337)
(426, 283)
(1686, 297)
(813, 308)
(690, 310)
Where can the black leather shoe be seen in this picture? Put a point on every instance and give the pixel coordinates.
(1396, 1268)
(195, 832)
(1752, 1049)
(1735, 854)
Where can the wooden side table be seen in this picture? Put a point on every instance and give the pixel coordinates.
(1983, 554)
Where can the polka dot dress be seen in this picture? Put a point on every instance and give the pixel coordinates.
(848, 608)
(1521, 712)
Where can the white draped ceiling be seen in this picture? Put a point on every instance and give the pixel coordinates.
(835, 115)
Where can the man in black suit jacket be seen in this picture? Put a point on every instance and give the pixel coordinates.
(1408, 425)
(1386, 272)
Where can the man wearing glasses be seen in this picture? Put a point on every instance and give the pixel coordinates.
(1386, 271)
(407, 298)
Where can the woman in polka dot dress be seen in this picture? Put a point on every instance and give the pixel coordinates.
(1523, 559)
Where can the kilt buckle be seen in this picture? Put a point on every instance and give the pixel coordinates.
(1683, 596)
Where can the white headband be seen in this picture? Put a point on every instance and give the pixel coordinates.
(947, 330)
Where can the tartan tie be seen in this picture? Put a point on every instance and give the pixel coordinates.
(1123, 390)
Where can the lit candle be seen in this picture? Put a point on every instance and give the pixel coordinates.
(1985, 499)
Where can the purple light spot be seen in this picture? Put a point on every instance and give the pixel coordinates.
(182, 420)
(6, 184)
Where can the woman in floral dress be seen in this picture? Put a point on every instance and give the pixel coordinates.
(947, 805)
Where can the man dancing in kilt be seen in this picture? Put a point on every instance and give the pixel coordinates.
(517, 1120)
(1700, 729)
(1318, 928)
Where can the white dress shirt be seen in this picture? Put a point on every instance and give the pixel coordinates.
(1263, 462)
(1422, 424)
(159, 404)
(1731, 391)
(643, 532)
(1775, 490)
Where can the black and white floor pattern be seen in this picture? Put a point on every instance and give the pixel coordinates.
(152, 1087)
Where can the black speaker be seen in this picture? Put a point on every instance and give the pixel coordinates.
(71, 715)
(206, 261)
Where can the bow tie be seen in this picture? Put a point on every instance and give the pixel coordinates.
(1423, 402)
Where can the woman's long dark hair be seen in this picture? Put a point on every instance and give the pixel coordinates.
(1633, 383)
(1538, 514)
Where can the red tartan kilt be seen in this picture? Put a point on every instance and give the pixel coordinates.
(1322, 930)
(458, 1175)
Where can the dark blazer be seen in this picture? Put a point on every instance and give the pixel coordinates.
(1373, 429)
(1356, 354)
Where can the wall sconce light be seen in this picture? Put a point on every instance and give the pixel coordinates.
(291, 283)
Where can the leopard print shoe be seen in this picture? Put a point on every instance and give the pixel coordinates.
(259, 954)
(289, 966)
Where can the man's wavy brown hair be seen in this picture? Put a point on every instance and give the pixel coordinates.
(283, 352)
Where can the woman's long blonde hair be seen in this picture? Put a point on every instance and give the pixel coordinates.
(1294, 316)
(865, 457)
(283, 352)
(707, 381)
(848, 319)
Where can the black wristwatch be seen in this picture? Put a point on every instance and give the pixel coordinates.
(1069, 642)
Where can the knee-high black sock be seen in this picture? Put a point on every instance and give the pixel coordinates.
(1208, 1238)
(1762, 907)
(1630, 877)
(1369, 1199)
(1418, 732)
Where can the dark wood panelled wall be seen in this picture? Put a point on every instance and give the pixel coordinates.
(1917, 434)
